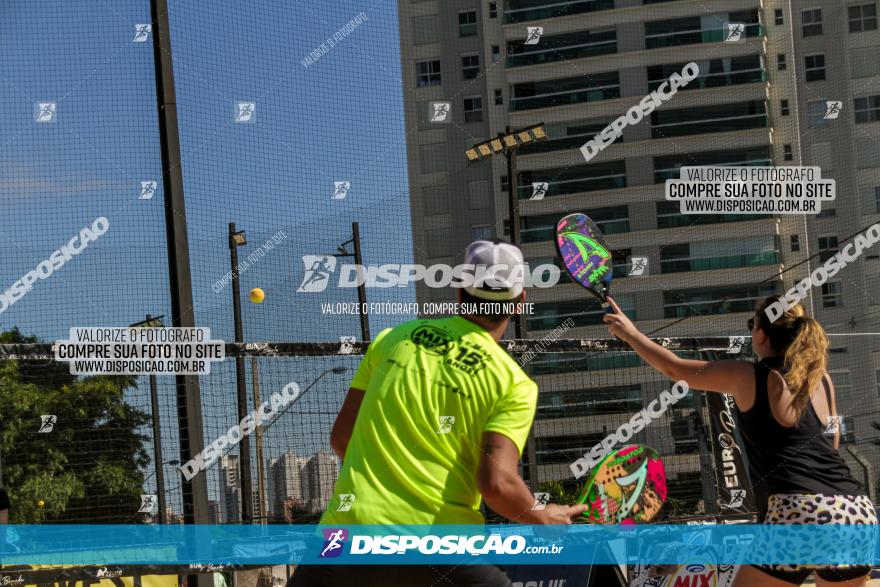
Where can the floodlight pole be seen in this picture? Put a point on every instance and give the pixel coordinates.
(189, 403)
(261, 471)
(362, 287)
(157, 445)
(244, 460)
(342, 252)
(519, 324)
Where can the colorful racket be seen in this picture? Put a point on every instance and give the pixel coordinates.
(627, 487)
(585, 254)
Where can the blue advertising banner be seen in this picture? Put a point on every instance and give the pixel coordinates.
(502, 544)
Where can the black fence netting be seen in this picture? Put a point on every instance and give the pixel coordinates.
(588, 389)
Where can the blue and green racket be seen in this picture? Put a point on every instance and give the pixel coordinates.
(585, 254)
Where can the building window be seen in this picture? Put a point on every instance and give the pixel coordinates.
(470, 66)
(787, 153)
(669, 166)
(867, 109)
(467, 23)
(708, 119)
(713, 72)
(780, 62)
(725, 254)
(695, 29)
(777, 17)
(478, 194)
(814, 67)
(481, 232)
(565, 91)
(473, 109)
(496, 53)
(540, 227)
(795, 243)
(435, 199)
(439, 243)
(600, 41)
(832, 294)
(783, 107)
(811, 22)
(424, 29)
(503, 184)
(593, 177)
(828, 247)
(571, 403)
(549, 315)
(707, 301)
(827, 213)
(433, 157)
(816, 114)
(499, 96)
(428, 73)
(877, 199)
(862, 17)
(493, 10)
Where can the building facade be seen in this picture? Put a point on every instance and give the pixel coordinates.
(768, 71)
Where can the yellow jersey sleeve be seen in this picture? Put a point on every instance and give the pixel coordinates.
(514, 412)
(372, 358)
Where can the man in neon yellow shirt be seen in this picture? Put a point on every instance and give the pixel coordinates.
(435, 420)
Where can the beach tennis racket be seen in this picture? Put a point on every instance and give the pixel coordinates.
(627, 487)
(585, 254)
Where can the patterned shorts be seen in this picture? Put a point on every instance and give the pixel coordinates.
(791, 508)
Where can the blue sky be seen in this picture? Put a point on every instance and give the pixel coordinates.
(338, 119)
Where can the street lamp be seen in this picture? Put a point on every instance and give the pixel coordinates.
(507, 144)
(238, 239)
(158, 471)
(334, 370)
(156, 322)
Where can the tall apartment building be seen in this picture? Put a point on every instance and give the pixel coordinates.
(760, 99)
(229, 488)
(320, 475)
(287, 481)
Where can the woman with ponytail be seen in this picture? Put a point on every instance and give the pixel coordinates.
(787, 416)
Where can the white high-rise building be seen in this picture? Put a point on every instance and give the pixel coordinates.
(286, 476)
(320, 474)
(230, 490)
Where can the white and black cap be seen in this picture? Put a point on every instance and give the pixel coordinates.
(504, 274)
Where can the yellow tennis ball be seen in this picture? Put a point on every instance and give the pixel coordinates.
(41, 503)
(257, 295)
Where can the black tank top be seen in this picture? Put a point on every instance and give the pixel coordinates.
(800, 459)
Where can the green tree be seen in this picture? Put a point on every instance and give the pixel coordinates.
(88, 469)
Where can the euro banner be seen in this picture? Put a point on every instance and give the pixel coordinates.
(736, 495)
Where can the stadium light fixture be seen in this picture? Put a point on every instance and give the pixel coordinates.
(237, 238)
(506, 142)
(150, 322)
